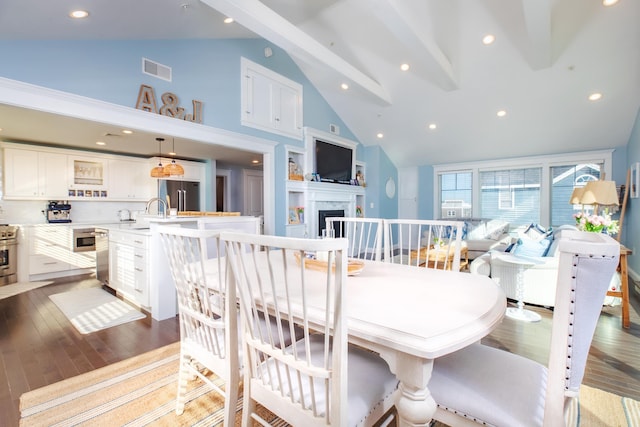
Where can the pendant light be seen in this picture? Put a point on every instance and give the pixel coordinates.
(158, 171)
(173, 168)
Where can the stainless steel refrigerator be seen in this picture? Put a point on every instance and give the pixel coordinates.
(184, 195)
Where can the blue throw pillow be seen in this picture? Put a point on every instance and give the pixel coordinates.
(531, 248)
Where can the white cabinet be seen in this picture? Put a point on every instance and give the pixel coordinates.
(270, 102)
(130, 180)
(33, 174)
(88, 175)
(193, 171)
(49, 249)
(129, 265)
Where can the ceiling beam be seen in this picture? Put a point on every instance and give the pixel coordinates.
(263, 21)
(405, 23)
(537, 17)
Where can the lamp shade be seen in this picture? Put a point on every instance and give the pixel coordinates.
(173, 168)
(158, 172)
(601, 193)
(576, 196)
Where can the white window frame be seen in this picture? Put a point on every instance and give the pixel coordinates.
(545, 162)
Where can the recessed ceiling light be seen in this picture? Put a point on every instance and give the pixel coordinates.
(488, 39)
(127, 131)
(595, 96)
(228, 20)
(432, 126)
(609, 2)
(344, 86)
(404, 67)
(0, 129)
(79, 14)
(255, 162)
(101, 143)
(501, 113)
(380, 135)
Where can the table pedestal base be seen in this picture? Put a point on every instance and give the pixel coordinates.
(522, 314)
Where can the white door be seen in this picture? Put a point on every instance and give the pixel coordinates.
(253, 193)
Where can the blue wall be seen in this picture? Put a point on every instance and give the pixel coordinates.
(204, 70)
(379, 169)
(631, 235)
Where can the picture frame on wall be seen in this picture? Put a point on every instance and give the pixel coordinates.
(635, 181)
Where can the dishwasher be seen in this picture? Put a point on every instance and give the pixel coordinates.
(102, 255)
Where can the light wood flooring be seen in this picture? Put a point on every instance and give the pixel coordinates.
(38, 346)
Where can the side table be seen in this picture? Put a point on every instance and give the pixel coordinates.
(624, 285)
(520, 313)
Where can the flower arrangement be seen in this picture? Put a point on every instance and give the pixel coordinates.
(596, 223)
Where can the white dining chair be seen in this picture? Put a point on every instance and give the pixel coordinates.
(208, 321)
(203, 313)
(486, 385)
(427, 243)
(365, 235)
(320, 380)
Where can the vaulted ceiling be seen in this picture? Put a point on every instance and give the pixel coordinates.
(548, 57)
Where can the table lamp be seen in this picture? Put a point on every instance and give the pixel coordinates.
(576, 196)
(599, 193)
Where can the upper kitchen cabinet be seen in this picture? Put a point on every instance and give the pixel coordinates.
(130, 180)
(88, 174)
(270, 102)
(30, 174)
(193, 171)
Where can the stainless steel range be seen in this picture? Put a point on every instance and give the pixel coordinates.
(8, 254)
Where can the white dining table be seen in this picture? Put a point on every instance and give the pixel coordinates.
(413, 315)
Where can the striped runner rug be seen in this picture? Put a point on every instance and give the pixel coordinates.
(141, 391)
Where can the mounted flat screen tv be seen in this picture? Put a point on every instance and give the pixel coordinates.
(334, 163)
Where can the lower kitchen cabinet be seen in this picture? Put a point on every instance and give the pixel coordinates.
(49, 248)
(51, 251)
(129, 265)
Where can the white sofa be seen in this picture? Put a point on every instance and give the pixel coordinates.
(539, 280)
(483, 235)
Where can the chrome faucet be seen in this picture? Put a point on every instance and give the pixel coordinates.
(159, 200)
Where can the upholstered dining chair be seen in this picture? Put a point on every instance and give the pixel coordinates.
(320, 380)
(208, 321)
(365, 235)
(481, 384)
(426, 243)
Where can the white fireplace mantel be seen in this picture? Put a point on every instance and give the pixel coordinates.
(326, 196)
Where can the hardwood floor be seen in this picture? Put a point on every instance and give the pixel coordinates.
(38, 346)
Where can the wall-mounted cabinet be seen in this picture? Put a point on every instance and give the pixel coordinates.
(45, 173)
(193, 171)
(270, 102)
(130, 180)
(30, 174)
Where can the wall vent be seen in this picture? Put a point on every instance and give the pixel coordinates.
(334, 129)
(156, 69)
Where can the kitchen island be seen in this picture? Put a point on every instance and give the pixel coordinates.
(138, 267)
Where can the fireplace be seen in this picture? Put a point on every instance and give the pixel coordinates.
(324, 214)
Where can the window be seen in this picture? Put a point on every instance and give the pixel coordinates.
(520, 190)
(456, 195)
(512, 195)
(563, 180)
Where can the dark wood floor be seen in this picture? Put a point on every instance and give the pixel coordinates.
(38, 346)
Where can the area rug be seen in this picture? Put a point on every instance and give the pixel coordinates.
(141, 391)
(93, 309)
(20, 287)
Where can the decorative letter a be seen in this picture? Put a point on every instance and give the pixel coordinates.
(146, 99)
